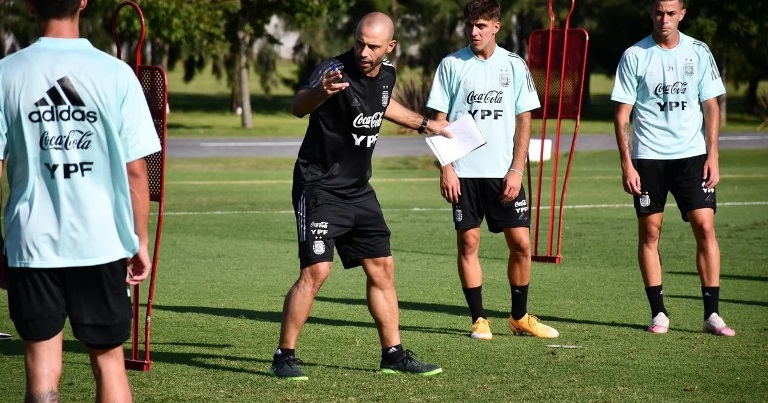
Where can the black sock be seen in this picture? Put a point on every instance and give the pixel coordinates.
(474, 297)
(280, 353)
(392, 354)
(656, 299)
(711, 296)
(519, 300)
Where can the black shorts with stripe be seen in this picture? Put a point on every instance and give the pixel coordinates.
(681, 177)
(356, 229)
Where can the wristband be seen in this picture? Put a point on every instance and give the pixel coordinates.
(515, 171)
(423, 125)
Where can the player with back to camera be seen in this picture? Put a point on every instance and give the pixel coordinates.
(669, 83)
(496, 88)
(335, 205)
(74, 128)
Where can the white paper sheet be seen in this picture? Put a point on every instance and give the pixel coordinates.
(466, 138)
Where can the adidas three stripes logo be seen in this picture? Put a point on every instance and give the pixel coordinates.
(66, 96)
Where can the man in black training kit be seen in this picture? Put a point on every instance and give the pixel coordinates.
(347, 97)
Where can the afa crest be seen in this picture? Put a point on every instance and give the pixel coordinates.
(688, 69)
(318, 247)
(504, 78)
(645, 200)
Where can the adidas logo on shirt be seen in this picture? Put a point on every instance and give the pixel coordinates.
(62, 103)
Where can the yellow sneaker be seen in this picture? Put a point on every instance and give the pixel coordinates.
(531, 325)
(481, 330)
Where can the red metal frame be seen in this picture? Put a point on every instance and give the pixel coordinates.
(553, 35)
(154, 83)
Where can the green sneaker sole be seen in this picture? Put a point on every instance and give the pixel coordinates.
(289, 378)
(394, 371)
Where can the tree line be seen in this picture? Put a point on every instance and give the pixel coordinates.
(230, 36)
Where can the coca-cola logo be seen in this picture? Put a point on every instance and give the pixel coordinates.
(373, 121)
(490, 97)
(74, 140)
(678, 87)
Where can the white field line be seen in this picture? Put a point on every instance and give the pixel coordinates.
(576, 206)
(435, 179)
(741, 138)
(252, 144)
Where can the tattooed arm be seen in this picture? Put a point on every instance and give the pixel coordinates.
(629, 177)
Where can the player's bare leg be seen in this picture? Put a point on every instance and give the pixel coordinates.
(108, 368)
(382, 303)
(519, 262)
(468, 262)
(707, 248)
(649, 234)
(708, 264)
(43, 364)
(382, 298)
(298, 302)
(296, 309)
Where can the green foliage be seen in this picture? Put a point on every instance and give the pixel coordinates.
(222, 33)
(413, 92)
(229, 256)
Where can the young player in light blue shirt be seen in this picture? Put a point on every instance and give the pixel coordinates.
(669, 83)
(495, 87)
(69, 126)
(74, 128)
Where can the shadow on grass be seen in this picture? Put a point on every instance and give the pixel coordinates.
(176, 126)
(463, 311)
(195, 359)
(729, 301)
(726, 276)
(452, 254)
(275, 317)
(222, 103)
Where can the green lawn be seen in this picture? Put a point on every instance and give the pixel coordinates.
(229, 255)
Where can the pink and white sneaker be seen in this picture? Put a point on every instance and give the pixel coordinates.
(716, 325)
(659, 324)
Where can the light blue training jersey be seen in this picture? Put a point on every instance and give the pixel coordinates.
(493, 91)
(666, 88)
(71, 117)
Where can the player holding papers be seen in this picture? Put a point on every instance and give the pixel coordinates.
(496, 88)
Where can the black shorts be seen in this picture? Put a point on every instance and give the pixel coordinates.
(357, 230)
(95, 298)
(682, 177)
(481, 197)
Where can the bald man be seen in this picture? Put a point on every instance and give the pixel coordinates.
(346, 98)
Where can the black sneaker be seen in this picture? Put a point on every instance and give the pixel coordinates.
(286, 368)
(408, 364)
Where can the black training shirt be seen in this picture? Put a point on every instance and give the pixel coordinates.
(335, 157)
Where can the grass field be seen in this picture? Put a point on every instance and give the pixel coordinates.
(229, 255)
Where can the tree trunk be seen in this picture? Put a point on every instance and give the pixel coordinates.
(751, 100)
(514, 24)
(242, 74)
